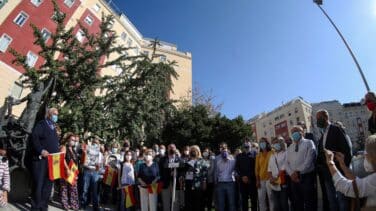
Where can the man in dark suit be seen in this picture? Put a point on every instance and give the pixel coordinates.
(167, 178)
(44, 141)
(245, 168)
(334, 139)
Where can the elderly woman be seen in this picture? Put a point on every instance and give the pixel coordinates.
(366, 186)
(277, 175)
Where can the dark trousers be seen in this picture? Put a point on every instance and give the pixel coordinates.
(302, 193)
(325, 201)
(248, 191)
(208, 196)
(280, 199)
(42, 185)
(193, 199)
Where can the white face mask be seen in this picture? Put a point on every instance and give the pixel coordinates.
(128, 157)
(368, 166)
(205, 154)
(148, 157)
(162, 152)
(71, 143)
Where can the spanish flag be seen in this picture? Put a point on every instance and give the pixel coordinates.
(56, 168)
(83, 156)
(155, 188)
(110, 176)
(130, 200)
(72, 177)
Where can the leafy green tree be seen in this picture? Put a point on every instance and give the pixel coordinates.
(133, 104)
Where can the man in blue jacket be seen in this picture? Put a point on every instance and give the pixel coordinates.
(44, 141)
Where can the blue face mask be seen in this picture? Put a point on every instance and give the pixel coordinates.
(296, 136)
(262, 145)
(224, 154)
(54, 118)
(277, 146)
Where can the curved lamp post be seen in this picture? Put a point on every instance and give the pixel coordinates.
(319, 3)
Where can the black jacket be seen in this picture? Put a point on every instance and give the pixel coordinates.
(166, 173)
(44, 138)
(372, 125)
(245, 165)
(337, 142)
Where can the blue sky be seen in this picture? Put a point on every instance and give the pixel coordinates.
(256, 54)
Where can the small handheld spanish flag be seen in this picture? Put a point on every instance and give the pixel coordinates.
(110, 176)
(155, 188)
(56, 169)
(130, 200)
(71, 178)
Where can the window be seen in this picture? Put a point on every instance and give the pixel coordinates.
(163, 58)
(123, 36)
(16, 90)
(296, 110)
(5, 40)
(297, 120)
(89, 20)
(21, 18)
(31, 59)
(45, 34)
(96, 8)
(129, 43)
(80, 36)
(69, 3)
(36, 2)
(2, 3)
(136, 51)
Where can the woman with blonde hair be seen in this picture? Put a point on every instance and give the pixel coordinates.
(277, 175)
(350, 185)
(195, 180)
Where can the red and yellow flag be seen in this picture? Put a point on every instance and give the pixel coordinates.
(72, 177)
(130, 200)
(155, 188)
(56, 168)
(110, 176)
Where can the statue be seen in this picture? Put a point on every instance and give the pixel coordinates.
(14, 134)
(34, 101)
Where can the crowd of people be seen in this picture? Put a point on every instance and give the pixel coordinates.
(275, 175)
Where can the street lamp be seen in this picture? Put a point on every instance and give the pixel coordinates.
(319, 3)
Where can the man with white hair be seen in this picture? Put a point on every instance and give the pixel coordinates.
(44, 141)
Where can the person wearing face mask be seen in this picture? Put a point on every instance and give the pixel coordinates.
(277, 175)
(334, 139)
(245, 169)
(69, 193)
(148, 174)
(195, 180)
(167, 178)
(126, 178)
(370, 102)
(112, 160)
(185, 155)
(93, 163)
(161, 153)
(208, 193)
(350, 185)
(44, 141)
(300, 166)
(224, 180)
(261, 172)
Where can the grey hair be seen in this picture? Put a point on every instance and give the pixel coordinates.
(50, 110)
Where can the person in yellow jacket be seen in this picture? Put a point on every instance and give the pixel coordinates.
(262, 177)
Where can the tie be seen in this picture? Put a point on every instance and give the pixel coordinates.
(296, 147)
